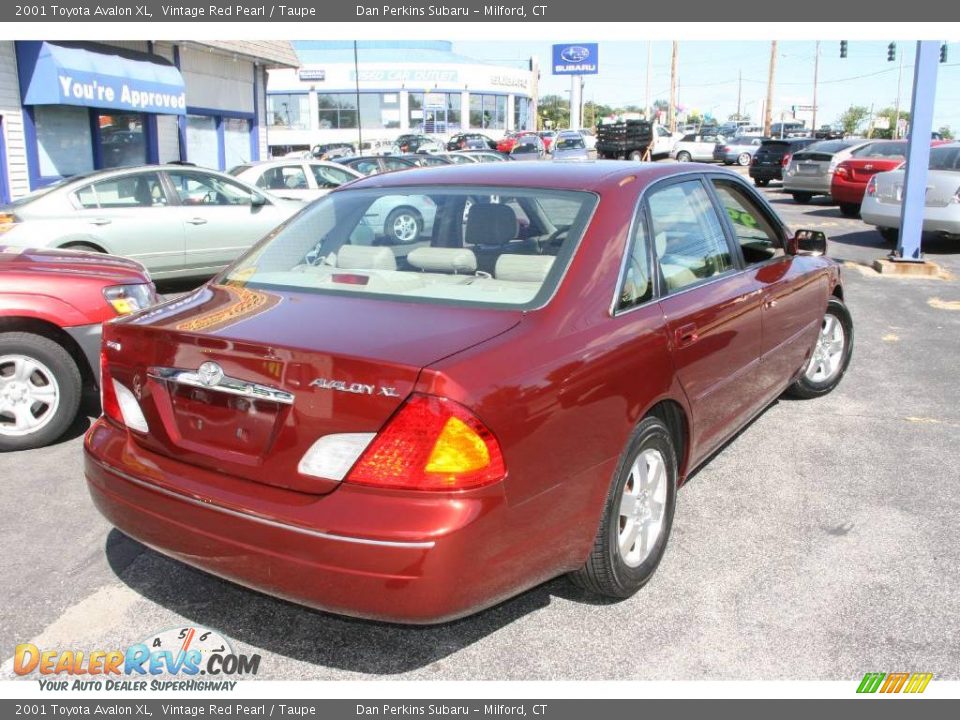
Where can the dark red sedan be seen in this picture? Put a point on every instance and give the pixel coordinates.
(416, 432)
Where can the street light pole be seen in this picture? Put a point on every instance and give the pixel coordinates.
(768, 110)
(672, 114)
(896, 123)
(816, 71)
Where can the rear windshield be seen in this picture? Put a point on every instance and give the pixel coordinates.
(477, 246)
(891, 150)
(829, 146)
(945, 158)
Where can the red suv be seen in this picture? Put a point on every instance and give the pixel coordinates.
(52, 304)
(416, 432)
(508, 142)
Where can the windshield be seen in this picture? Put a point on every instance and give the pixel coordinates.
(493, 247)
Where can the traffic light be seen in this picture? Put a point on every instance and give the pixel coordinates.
(943, 53)
(891, 52)
(843, 48)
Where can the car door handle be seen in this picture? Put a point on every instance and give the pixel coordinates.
(197, 221)
(686, 335)
(101, 221)
(771, 303)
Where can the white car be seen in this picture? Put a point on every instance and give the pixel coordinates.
(589, 139)
(883, 198)
(397, 222)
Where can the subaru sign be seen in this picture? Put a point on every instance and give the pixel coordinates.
(579, 59)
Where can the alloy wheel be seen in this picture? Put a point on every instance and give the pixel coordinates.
(642, 507)
(828, 353)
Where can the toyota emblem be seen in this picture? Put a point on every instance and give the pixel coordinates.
(210, 374)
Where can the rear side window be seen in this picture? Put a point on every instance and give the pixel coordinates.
(486, 246)
(330, 177)
(688, 236)
(891, 150)
(283, 177)
(127, 191)
(196, 188)
(636, 286)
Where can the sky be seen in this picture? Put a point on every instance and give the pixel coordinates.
(708, 75)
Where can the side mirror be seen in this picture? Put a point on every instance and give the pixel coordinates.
(807, 242)
(257, 200)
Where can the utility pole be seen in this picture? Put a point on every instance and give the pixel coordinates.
(816, 71)
(646, 107)
(739, 90)
(768, 110)
(356, 72)
(672, 112)
(896, 123)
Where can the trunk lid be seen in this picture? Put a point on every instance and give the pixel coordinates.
(318, 364)
(862, 170)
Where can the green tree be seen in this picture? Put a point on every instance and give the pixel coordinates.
(946, 133)
(890, 113)
(592, 112)
(853, 117)
(554, 110)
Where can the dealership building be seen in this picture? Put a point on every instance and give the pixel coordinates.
(376, 90)
(68, 108)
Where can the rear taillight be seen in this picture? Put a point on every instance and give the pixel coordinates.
(108, 394)
(786, 160)
(117, 401)
(755, 161)
(431, 444)
(872, 187)
(842, 171)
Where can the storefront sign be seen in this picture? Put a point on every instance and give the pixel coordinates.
(398, 75)
(312, 74)
(434, 101)
(575, 59)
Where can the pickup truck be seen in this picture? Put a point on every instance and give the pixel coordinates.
(630, 138)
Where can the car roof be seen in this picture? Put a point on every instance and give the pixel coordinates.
(594, 175)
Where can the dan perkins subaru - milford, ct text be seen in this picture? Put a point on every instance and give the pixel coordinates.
(449, 11)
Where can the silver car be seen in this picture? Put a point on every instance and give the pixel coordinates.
(569, 146)
(176, 220)
(398, 222)
(811, 169)
(941, 214)
(739, 150)
(694, 148)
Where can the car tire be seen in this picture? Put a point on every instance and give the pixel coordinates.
(618, 566)
(831, 354)
(850, 210)
(743, 159)
(760, 183)
(54, 384)
(802, 198)
(636, 156)
(403, 226)
(891, 236)
(683, 156)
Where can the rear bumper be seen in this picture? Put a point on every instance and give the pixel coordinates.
(766, 172)
(935, 219)
(816, 184)
(414, 558)
(847, 192)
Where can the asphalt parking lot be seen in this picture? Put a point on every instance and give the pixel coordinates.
(819, 544)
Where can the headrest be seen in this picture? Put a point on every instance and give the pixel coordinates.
(523, 268)
(490, 224)
(447, 260)
(354, 257)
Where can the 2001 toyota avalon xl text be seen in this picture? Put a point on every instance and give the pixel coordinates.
(415, 431)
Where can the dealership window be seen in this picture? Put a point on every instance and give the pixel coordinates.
(202, 141)
(218, 142)
(521, 114)
(64, 140)
(337, 110)
(289, 111)
(488, 111)
(123, 139)
(442, 115)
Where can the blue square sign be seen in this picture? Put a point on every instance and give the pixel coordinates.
(575, 59)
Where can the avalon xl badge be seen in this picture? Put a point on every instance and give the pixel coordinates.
(355, 388)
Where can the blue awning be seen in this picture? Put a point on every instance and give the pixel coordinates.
(99, 76)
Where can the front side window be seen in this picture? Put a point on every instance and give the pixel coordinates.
(328, 177)
(200, 189)
(487, 246)
(688, 236)
(757, 237)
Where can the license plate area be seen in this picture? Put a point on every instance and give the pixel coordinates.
(211, 419)
(808, 169)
